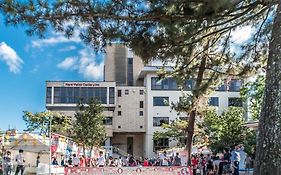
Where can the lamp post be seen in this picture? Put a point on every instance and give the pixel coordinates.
(50, 143)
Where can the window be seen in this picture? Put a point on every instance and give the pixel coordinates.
(221, 87)
(189, 84)
(119, 93)
(141, 91)
(235, 85)
(160, 144)
(119, 113)
(111, 95)
(141, 104)
(160, 101)
(158, 121)
(141, 127)
(75, 94)
(214, 101)
(130, 70)
(107, 121)
(119, 126)
(163, 84)
(49, 95)
(232, 101)
(141, 113)
(126, 91)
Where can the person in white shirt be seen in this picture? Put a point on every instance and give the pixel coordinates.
(76, 160)
(20, 162)
(164, 159)
(101, 160)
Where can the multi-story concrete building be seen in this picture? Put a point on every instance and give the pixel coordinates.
(135, 102)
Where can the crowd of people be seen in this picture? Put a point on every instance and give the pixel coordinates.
(7, 163)
(129, 161)
(227, 164)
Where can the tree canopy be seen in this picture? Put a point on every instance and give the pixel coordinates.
(41, 121)
(196, 35)
(88, 128)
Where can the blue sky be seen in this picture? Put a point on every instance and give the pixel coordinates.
(27, 62)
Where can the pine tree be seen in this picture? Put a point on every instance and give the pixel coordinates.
(196, 35)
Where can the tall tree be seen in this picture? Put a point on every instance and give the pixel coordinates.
(41, 122)
(88, 128)
(178, 31)
(253, 92)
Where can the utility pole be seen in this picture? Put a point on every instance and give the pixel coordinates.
(50, 144)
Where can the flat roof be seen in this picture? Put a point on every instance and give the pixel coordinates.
(148, 69)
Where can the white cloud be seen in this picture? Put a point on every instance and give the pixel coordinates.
(68, 63)
(85, 64)
(69, 48)
(10, 57)
(242, 34)
(54, 40)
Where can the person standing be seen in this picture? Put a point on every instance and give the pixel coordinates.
(164, 159)
(76, 160)
(235, 159)
(20, 162)
(37, 161)
(101, 160)
(7, 163)
(177, 160)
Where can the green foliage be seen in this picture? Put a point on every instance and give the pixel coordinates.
(253, 92)
(41, 122)
(88, 128)
(227, 129)
(175, 130)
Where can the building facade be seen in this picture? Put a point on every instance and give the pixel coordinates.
(136, 102)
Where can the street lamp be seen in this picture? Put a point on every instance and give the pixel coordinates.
(50, 142)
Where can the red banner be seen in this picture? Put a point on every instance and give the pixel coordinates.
(129, 170)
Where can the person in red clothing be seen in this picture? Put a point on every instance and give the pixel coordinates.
(194, 163)
(82, 161)
(145, 162)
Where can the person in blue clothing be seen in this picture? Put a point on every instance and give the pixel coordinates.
(235, 159)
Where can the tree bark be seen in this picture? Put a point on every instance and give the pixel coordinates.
(196, 95)
(268, 152)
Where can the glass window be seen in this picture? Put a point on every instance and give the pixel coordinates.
(141, 91)
(189, 84)
(126, 91)
(119, 113)
(49, 95)
(130, 70)
(235, 85)
(141, 104)
(232, 101)
(160, 101)
(141, 113)
(214, 101)
(221, 87)
(167, 84)
(160, 144)
(158, 121)
(111, 95)
(119, 92)
(75, 94)
(107, 121)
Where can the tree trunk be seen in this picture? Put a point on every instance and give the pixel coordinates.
(190, 133)
(268, 152)
(196, 96)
